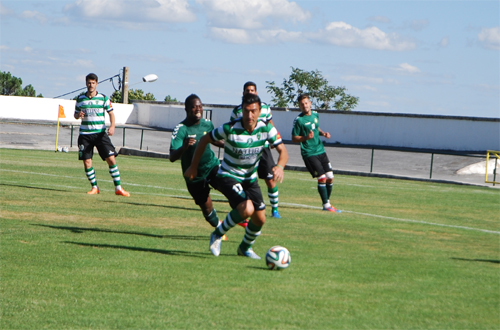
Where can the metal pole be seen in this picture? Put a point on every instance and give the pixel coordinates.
(495, 171)
(123, 143)
(125, 85)
(432, 161)
(71, 143)
(142, 136)
(371, 166)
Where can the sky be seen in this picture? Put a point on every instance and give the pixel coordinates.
(411, 57)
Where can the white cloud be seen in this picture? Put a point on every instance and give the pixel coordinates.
(490, 38)
(251, 14)
(380, 19)
(34, 15)
(5, 12)
(345, 35)
(444, 42)
(408, 68)
(418, 24)
(135, 11)
(241, 36)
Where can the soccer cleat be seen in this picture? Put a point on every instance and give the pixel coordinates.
(249, 253)
(244, 223)
(94, 191)
(215, 242)
(275, 214)
(122, 192)
(331, 209)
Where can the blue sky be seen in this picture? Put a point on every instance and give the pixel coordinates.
(420, 57)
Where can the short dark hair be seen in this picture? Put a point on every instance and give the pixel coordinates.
(249, 83)
(91, 76)
(190, 100)
(302, 96)
(249, 99)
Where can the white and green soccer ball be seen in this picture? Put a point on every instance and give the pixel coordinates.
(277, 258)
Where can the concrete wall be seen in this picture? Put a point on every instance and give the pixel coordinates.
(359, 128)
(347, 128)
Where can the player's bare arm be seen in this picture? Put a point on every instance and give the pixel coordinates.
(278, 170)
(325, 134)
(111, 129)
(176, 154)
(298, 138)
(192, 170)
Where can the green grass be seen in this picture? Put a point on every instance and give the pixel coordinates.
(402, 255)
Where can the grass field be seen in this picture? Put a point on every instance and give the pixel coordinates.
(401, 255)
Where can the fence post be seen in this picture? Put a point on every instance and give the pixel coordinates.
(371, 165)
(123, 143)
(142, 136)
(71, 142)
(432, 161)
(495, 171)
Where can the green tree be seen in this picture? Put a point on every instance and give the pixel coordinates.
(169, 98)
(133, 94)
(12, 85)
(322, 95)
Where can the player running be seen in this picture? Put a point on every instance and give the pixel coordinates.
(306, 131)
(90, 108)
(266, 163)
(182, 146)
(244, 140)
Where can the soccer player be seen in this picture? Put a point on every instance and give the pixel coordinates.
(266, 163)
(182, 146)
(244, 141)
(306, 131)
(91, 108)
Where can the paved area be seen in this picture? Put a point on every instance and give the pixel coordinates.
(352, 161)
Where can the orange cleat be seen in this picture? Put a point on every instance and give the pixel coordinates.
(94, 191)
(122, 192)
(244, 223)
(224, 237)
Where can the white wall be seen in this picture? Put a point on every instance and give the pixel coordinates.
(37, 108)
(349, 128)
(360, 128)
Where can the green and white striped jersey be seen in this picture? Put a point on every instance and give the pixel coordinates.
(265, 113)
(94, 109)
(242, 149)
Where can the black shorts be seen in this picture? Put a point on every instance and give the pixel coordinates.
(266, 164)
(237, 192)
(201, 190)
(87, 142)
(318, 165)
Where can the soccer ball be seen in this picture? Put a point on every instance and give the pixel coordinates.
(277, 258)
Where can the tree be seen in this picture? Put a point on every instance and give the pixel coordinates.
(322, 95)
(169, 98)
(133, 94)
(11, 85)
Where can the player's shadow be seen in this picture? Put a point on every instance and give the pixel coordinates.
(80, 230)
(138, 249)
(478, 260)
(157, 205)
(31, 187)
